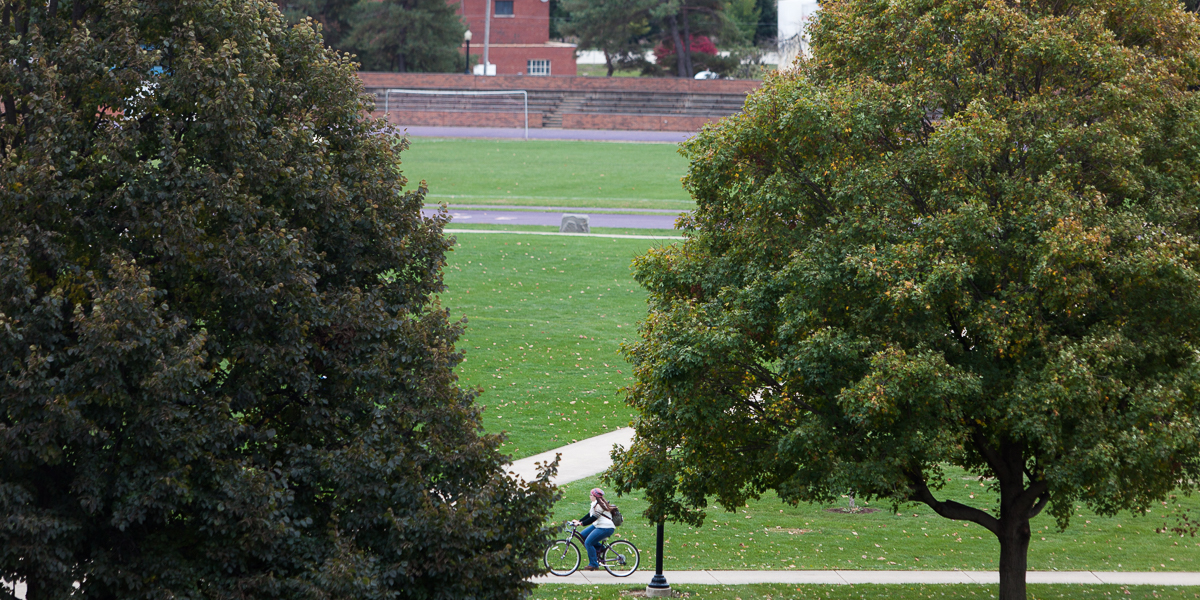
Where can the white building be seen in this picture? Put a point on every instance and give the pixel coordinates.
(794, 16)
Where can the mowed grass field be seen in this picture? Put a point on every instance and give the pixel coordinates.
(546, 316)
(864, 592)
(548, 173)
(770, 535)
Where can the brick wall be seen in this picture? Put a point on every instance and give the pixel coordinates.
(450, 81)
(529, 23)
(457, 119)
(658, 88)
(512, 60)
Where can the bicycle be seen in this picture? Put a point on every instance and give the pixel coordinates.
(619, 558)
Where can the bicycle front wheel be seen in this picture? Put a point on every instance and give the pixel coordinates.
(621, 559)
(562, 557)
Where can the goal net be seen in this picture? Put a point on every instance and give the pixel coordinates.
(489, 101)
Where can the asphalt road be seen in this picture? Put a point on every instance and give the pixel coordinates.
(512, 217)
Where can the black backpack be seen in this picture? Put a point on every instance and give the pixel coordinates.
(617, 517)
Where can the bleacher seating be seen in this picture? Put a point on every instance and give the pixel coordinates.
(553, 104)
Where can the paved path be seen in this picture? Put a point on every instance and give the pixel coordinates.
(595, 235)
(643, 576)
(579, 460)
(510, 217)
(672, 137)
(591, 456)
(559, 209)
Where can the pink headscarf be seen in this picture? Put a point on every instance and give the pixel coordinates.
(597, 493)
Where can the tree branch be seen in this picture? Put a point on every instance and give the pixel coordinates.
(1036, 493)
(993, 458)
(1037, 508)
(951, 509)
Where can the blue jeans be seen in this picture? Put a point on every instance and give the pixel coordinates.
(591, 540)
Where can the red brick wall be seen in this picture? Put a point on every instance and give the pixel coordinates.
(513, 61)
(632, 122)
(458, 119)
(529, 23)
(502, 82)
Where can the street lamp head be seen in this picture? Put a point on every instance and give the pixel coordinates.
(467, 35)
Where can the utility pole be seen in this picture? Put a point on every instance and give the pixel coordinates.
(487, 33)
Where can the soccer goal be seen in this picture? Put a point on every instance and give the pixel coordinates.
(459, 101)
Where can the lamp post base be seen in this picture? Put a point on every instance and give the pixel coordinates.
(659, 588)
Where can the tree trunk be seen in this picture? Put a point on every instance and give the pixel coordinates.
(1018, 504)
(687, 46)
(1014, 557)
(34, 590)
(608, 62)
(679, 64)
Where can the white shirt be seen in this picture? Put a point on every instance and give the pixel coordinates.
(603, 517)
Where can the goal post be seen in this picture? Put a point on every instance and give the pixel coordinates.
(387, 96)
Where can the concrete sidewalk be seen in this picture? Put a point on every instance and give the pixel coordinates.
(554, 219)
(558, 209)
(642, 577)
(579, 460)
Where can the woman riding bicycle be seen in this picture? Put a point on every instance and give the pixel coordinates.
(600, 526)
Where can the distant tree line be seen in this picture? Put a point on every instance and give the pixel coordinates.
(388, 35)
(425, 35)
(627, 30)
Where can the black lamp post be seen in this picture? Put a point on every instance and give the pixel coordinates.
(467, 38)
(658, 588)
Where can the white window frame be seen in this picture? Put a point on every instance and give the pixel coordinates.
(534, 66)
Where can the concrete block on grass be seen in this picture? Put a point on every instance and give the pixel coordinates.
(574, 224)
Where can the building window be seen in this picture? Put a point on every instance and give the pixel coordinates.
(538, 67)
(504, 8)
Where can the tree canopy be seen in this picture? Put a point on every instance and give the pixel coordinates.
(224, 372)
(615, 27)
(626, 30)
(388, 35)
(965, 232)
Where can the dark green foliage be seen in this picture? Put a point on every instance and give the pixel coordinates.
(333, 15)
(768, 22)
(559, 17)
(223, 369)
(406, 35)
(966, 232)
(388, 35)
(615, 27)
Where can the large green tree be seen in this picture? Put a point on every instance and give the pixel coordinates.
(406, 35)
(333, 15)
(966, 233)
(615, 27)
(388, 35)
(223, 369)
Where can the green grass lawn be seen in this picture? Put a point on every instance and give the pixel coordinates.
(863, 592)
(553, 229)
(546, 317)
(769, 535)
(548, 173)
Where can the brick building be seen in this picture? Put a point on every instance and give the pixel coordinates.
(520, 37)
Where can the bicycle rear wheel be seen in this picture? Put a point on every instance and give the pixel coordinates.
(620, 558)
(562, 557)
